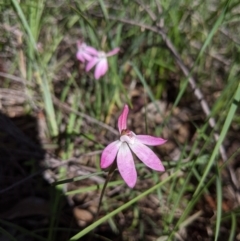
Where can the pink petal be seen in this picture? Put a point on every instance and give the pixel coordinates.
(80, 57)
(126, 165)
(101, 68)
(122, 120)
(91, 63)
(91, 50)
(150, 140)
(87, 56)
(109, 154)
(113, 52)
(147, 156)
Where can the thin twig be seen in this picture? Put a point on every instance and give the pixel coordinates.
(147, 9)
(22, 181)
(15, 78)
(227, 34)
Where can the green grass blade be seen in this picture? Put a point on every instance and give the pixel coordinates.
(80, 12)
(219, 204)
(121, 208)
(43, 82)
(213, 31)
(24, 22)
(7, 234)
(223, 133)
(233, 227)
(74, 179)
(196, 198)
(143, 81)
(94, 187)
(22, 230)
(104, 9)
(200, 188)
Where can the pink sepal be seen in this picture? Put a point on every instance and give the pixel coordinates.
(150, 140)
(101, 68)
(109, 154)
(91, 50)
(80, 57)
(122, 120)
(113, 52)
(147, 156)
(91, 63)
(126, 165)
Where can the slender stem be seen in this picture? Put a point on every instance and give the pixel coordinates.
(110, 173)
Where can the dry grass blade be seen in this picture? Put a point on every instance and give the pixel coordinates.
(15, 78)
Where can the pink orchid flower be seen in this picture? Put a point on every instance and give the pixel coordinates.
(100, 60)
(85, 52)
(130, 142)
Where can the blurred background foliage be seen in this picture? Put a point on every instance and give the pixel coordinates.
(178, 69)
